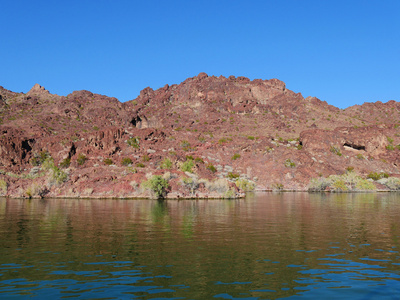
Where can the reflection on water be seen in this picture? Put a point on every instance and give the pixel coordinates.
(266, 246)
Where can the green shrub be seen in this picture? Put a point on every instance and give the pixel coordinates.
(289, 163)
(3, 187)
(245, 185)
(187, 166)
(230, 194)
(191, 183)
(365, 185)
(157, 185)
(336, 150)
(199, 160)
(65, 163)
(277, 186)
(376, 176)
(235, 156)
(56, 175)
(339, 185)
(211, 168)
(145, 158)
(390, 147)
(166, 164)
(233, 176)
(140, 165)
(393, 183)
(134, 142)
(126, 161)
(250, 137)
(360, 156)
(81, 159)
(38, 159)
(108, 161)
(318, 184)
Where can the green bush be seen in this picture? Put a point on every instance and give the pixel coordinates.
(187, 166)
(336, 150)
(126, 161)
(166, 164)
(393, 183)
(134, 142)
(250, 137)
(199, 160)
(245, 185)
(56, 175)
(65, 163)
(235, 156)
(157, 185)
(191, 183)
(289, 163)
(233, 176)
(211, 168)
(108, 161)
(81, 159)
(3, 187)
(376, 176)
(38, 159)
(140, 165)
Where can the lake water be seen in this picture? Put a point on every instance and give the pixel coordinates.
(267, 246)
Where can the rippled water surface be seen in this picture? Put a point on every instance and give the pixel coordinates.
(267, 246)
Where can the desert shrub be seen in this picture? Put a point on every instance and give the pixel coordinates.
(220, 185)
(235, 156)
(145, 158)
(250, 137)
(365, 185)
(38, 159)
(390, 147)
(233, 176)
(56, 176)
(245, 185)
(189, 157)
(81, 159)
(185, 145)
(190, 183)
(134, 142)
(349, 169)
(336, 150)
(65, 163)
(277, 186)
(360, 156)
(166, 164)
(187, 166)
(211, 167)
(199, 160)
(230, 194)
(108, 161)
(126, 161)
(222, 141)
(318, 184)
(157, 185)
(289, 163)
(140, 165)
(339, 185)
(3, 187)
(393, 183)
(376, 176)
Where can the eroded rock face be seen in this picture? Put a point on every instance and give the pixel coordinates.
(228, 127)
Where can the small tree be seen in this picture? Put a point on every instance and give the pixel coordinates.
(157, 185)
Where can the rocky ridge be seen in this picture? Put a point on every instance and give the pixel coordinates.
(203, 136)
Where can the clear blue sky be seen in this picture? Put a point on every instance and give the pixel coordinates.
(343, 52)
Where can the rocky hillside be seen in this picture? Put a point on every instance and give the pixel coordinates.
(206, 137)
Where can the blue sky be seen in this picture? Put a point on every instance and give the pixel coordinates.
(343, 52)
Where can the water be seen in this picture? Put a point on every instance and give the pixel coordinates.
(267, 246)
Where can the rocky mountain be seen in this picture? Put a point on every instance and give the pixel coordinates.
(207, 136)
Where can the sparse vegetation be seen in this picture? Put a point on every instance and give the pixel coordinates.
(233, 176)
(376, 176)
(348, 181)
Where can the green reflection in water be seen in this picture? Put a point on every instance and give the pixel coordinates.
(264, 246)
